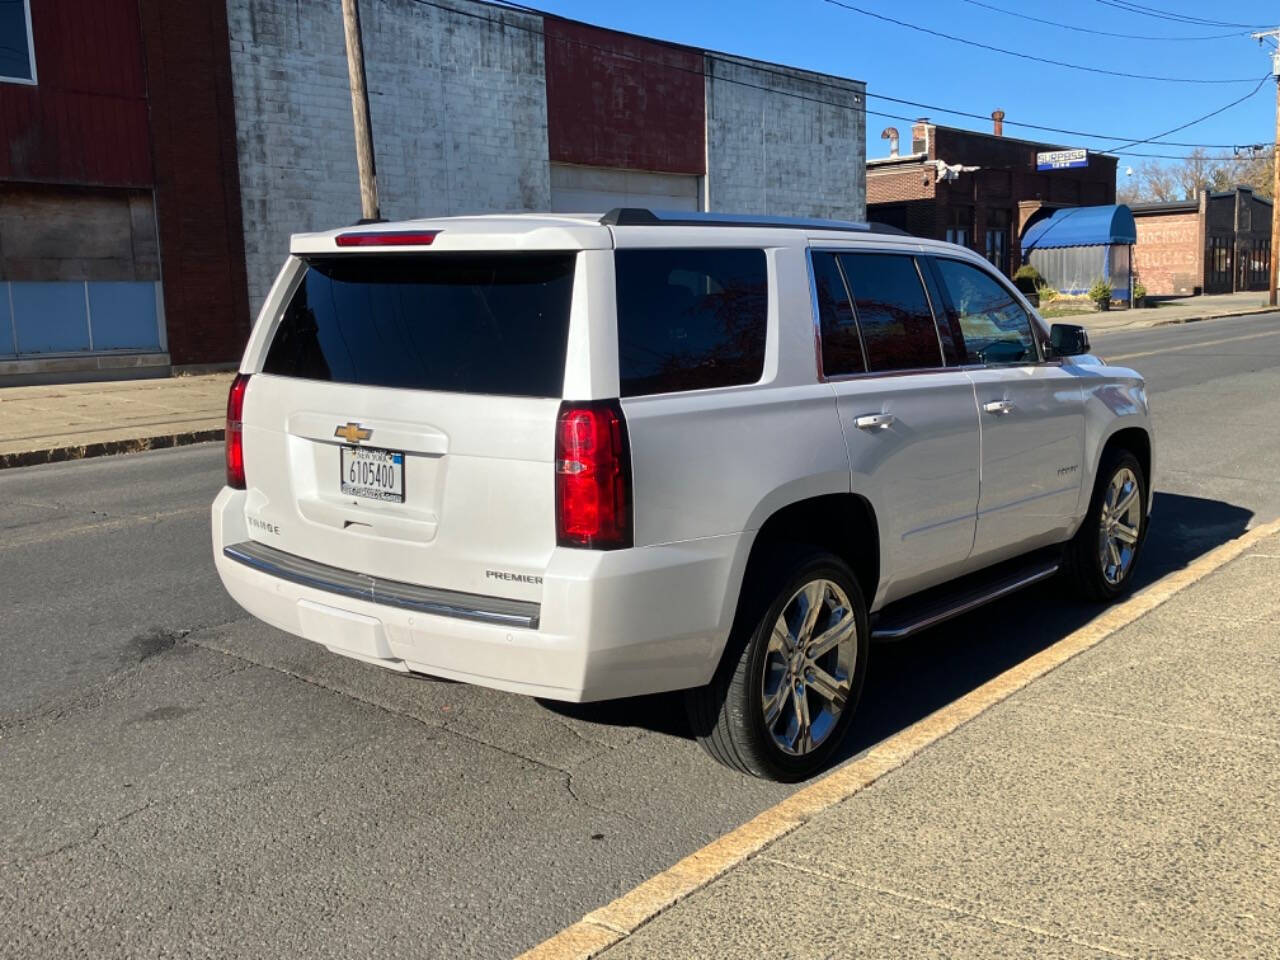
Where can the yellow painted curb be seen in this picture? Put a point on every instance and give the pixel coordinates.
(603, 928)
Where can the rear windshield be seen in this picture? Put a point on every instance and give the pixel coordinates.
(460, 323)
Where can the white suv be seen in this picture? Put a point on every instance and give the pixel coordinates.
(594, 457)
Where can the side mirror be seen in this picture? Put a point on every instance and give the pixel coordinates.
(1068, 340)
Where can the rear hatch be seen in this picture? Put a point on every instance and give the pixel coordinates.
(403, 422)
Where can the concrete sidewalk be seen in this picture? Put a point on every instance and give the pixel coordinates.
(1126, 804)
(39, 424)
(1181, 310)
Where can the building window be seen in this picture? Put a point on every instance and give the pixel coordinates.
(959, 225)
(17, 52)
(998, 239)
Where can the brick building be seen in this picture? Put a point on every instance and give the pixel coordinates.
(164, 150)
(1216, 243)
(977, 189)
(120, 231)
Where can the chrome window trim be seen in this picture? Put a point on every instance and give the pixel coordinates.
(388, 593)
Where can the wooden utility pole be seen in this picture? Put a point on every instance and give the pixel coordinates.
(360, 112)
(1274, 37)
(1275, 194)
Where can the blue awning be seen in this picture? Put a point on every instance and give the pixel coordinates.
(1081, 227)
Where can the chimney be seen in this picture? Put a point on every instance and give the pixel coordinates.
(920, 136)
(997, 121)
(891, 134)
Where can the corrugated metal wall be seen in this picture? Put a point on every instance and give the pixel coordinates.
(86, 120)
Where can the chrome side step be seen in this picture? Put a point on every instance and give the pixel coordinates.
(913, 614)
(391, 593)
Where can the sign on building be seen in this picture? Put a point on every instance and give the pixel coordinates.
(1062, 159)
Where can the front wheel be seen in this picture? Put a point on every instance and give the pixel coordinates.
(784, 696)
(1104, 552)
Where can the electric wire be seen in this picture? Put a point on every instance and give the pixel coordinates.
(1157, 13)
(1031, 57)
(1099, 33)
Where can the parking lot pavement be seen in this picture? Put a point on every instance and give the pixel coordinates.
(1124, 805)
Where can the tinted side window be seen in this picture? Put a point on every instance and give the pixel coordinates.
(690, 319)
(463, 323)
(995, 328)
(893, 312)
(841, 345)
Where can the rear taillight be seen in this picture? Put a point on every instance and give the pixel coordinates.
(593, 476)
(235, 445)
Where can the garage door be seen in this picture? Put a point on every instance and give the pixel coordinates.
(578, 189)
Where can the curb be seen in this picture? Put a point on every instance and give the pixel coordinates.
(613, 923)
(1213, 316)
(105, 448)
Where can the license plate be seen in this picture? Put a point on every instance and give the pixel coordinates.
(372, 473)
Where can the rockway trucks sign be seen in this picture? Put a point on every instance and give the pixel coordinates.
(1062, 159)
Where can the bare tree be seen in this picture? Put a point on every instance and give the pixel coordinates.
(1154, 182)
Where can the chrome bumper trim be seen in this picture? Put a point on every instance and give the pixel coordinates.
(389, 593)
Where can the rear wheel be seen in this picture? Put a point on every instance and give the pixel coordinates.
(1104, 552)
(784, 696)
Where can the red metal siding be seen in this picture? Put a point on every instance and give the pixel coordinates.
(206, 299)
(86, 120)
(615, 100)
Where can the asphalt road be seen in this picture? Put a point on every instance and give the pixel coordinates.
(179, 780)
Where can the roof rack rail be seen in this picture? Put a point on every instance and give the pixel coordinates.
(888, 229)
(642, 217)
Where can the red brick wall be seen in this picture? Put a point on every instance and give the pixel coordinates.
(85, 122)
(1167, 255)
(197, 181)
(615, 100)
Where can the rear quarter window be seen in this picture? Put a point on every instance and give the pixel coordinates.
(459, 323)
(690, 319)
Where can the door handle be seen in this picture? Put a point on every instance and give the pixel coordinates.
(998, 407)
(874, 421)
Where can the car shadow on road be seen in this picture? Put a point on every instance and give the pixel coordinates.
(907, 681)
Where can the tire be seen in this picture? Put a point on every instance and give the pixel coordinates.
(762, 670)
(1090, 566)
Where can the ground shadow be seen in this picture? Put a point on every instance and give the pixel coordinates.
(907, 681)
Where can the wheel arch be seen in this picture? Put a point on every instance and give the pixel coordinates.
(1137, 440)
(843, 523)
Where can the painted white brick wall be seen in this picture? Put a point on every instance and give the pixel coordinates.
(457, 105)
(780, 155)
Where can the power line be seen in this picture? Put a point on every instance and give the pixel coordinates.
(1027, 56)
(1038, 126)
(1145, 11)
(1214, 113)
(1098, 33)
(614, 52)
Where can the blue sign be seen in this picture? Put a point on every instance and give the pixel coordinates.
(1062, 159)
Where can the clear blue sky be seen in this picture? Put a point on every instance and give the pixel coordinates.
(903, 63)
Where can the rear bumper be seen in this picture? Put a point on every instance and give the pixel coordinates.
(610, 623)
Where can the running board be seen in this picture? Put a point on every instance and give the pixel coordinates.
(911, 615)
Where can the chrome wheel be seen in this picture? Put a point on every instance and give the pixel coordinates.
(1119, 525)
(809, 667)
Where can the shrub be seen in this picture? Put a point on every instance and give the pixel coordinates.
(1028, 279)
(1100, 292)
(1139, 292)
(1046, 293)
